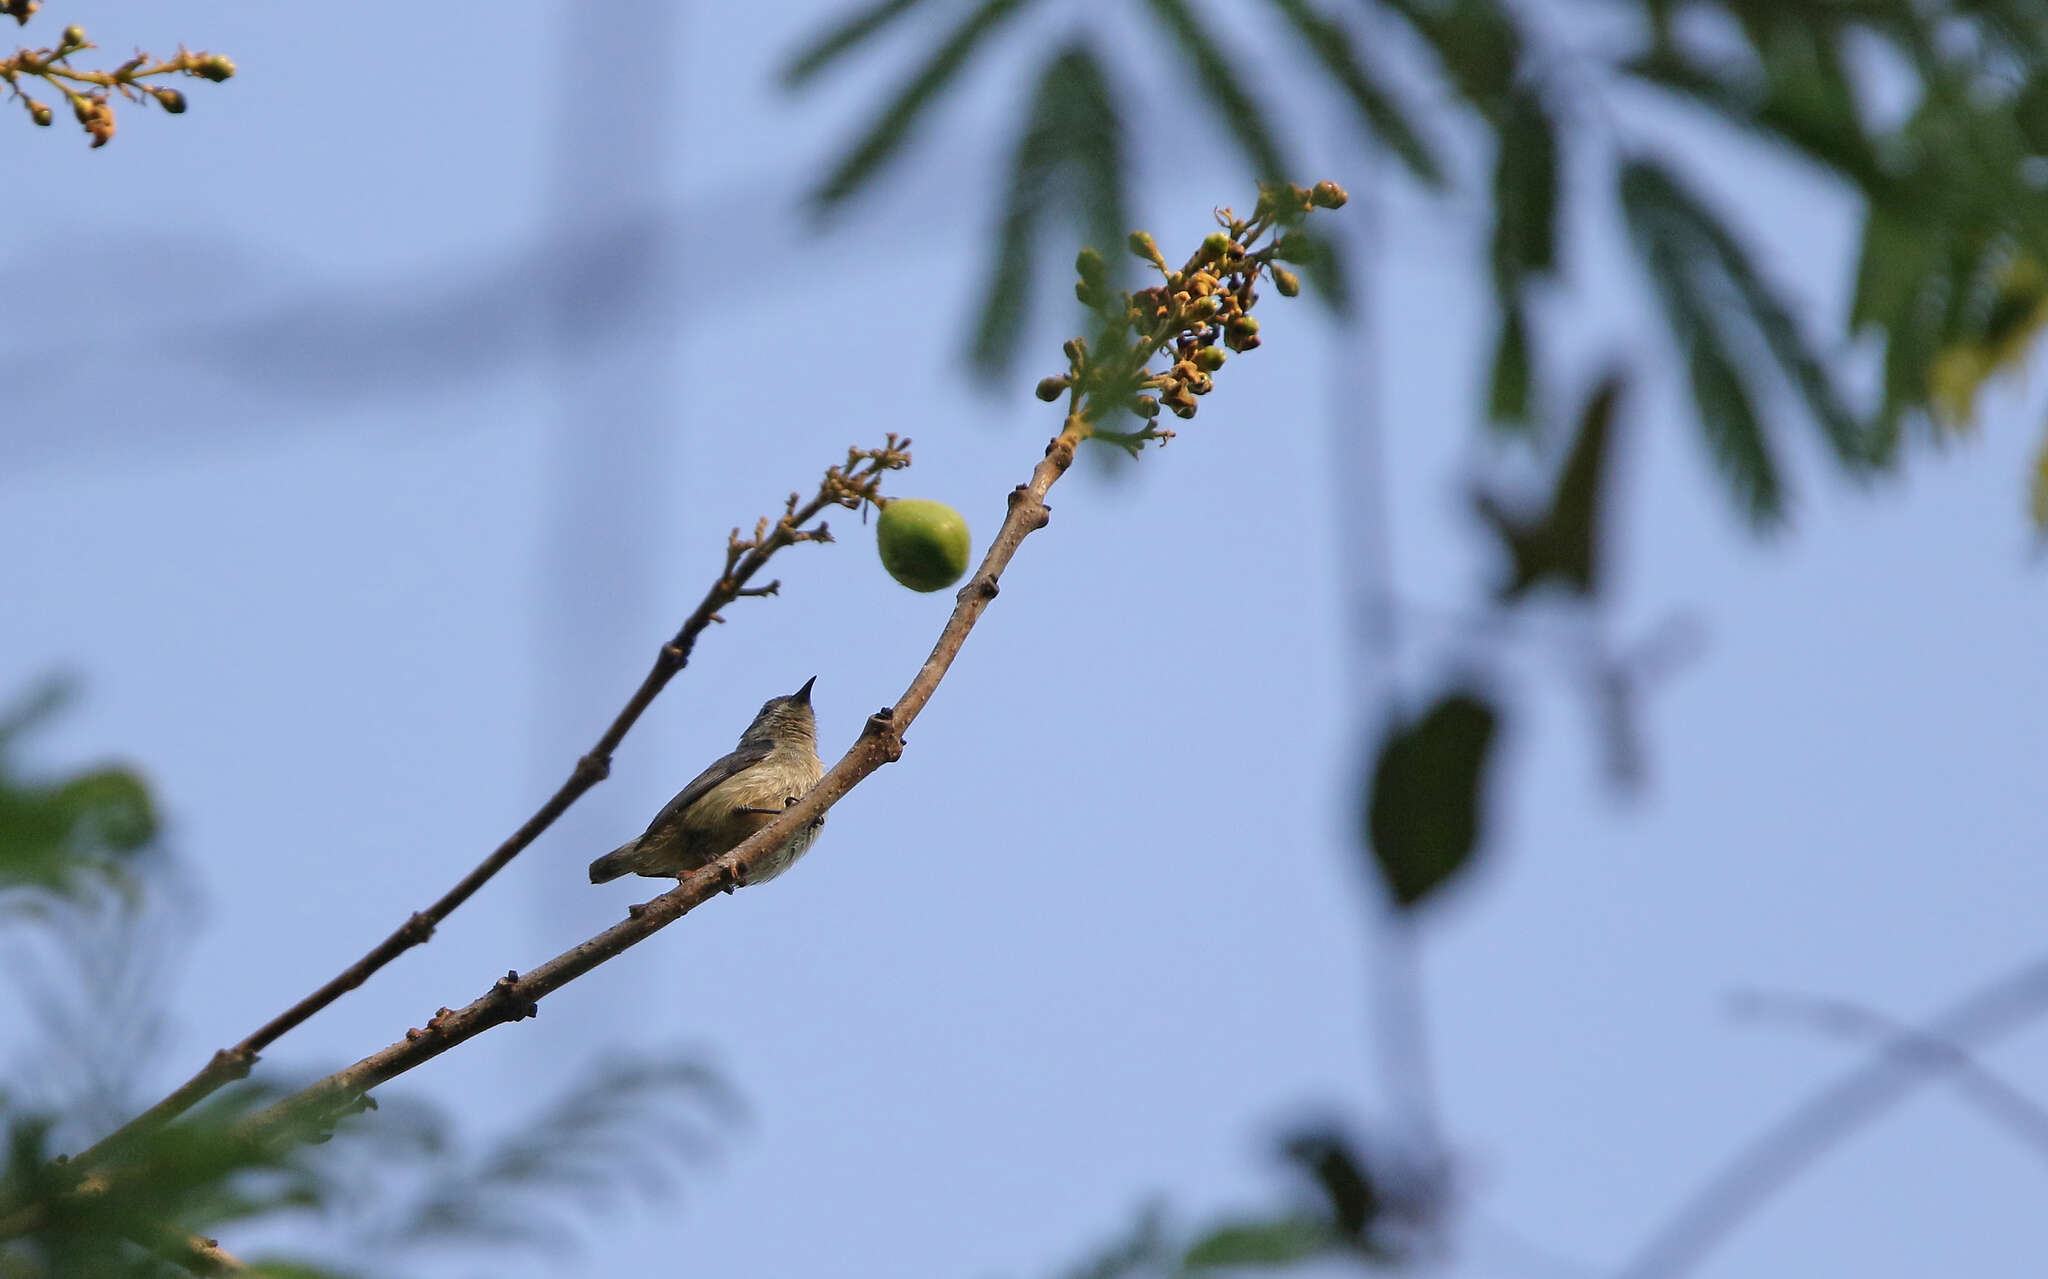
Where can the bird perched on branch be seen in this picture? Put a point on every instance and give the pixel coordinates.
(774, 764)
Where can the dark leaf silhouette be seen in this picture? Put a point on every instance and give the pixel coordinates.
(885, 135)
(1210, 70)
(1343, 1178)
(1475, 42)
(1562, 543)
(1378, 110)
(1510, 387)
(1423, 817)
(1681, 266)
(1069, 159)
(851, 32)
(1525, 186)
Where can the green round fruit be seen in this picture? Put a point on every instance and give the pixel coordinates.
(924, 544)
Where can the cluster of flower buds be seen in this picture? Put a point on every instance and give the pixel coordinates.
(1197, 314)
(1209, 307)
(90, 92)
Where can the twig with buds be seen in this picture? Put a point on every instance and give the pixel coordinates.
(90, 93)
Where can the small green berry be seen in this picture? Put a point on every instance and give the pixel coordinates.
(924, 544)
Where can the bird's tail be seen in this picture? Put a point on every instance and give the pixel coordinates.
(619, 861)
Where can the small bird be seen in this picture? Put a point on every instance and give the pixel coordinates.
(775, 763)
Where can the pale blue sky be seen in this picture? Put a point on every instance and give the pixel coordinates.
(283, 474)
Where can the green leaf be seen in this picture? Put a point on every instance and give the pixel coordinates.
(1280, 1241)
(1218, 82)
(1855, 442)
(74, 834)
(1424, 814)
(1903, 288)
(1733, 432)
(1070, 154)
(1475, 41)
(1383, 116)
(1524, 193)
(885, 135)
(1668, 235)
(1508, 401)
(844, 36)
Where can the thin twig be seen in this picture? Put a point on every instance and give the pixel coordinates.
(744, 558)
(1785, 1149)
(2005, 1104)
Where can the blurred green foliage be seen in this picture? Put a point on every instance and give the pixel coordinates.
(1933, 114)
(1344, 1211)
(66, 836)
(95, 914)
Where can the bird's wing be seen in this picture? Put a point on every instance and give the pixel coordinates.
(701, 785)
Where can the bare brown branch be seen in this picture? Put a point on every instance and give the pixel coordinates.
(849, 485)
(517, 996)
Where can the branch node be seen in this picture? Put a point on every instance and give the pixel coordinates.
(986, 587)
(636, 910)
(882, 727)
(421, 926)
(234, 1063)
(504, 988)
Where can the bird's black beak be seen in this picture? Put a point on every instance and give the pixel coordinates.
(802, 696)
